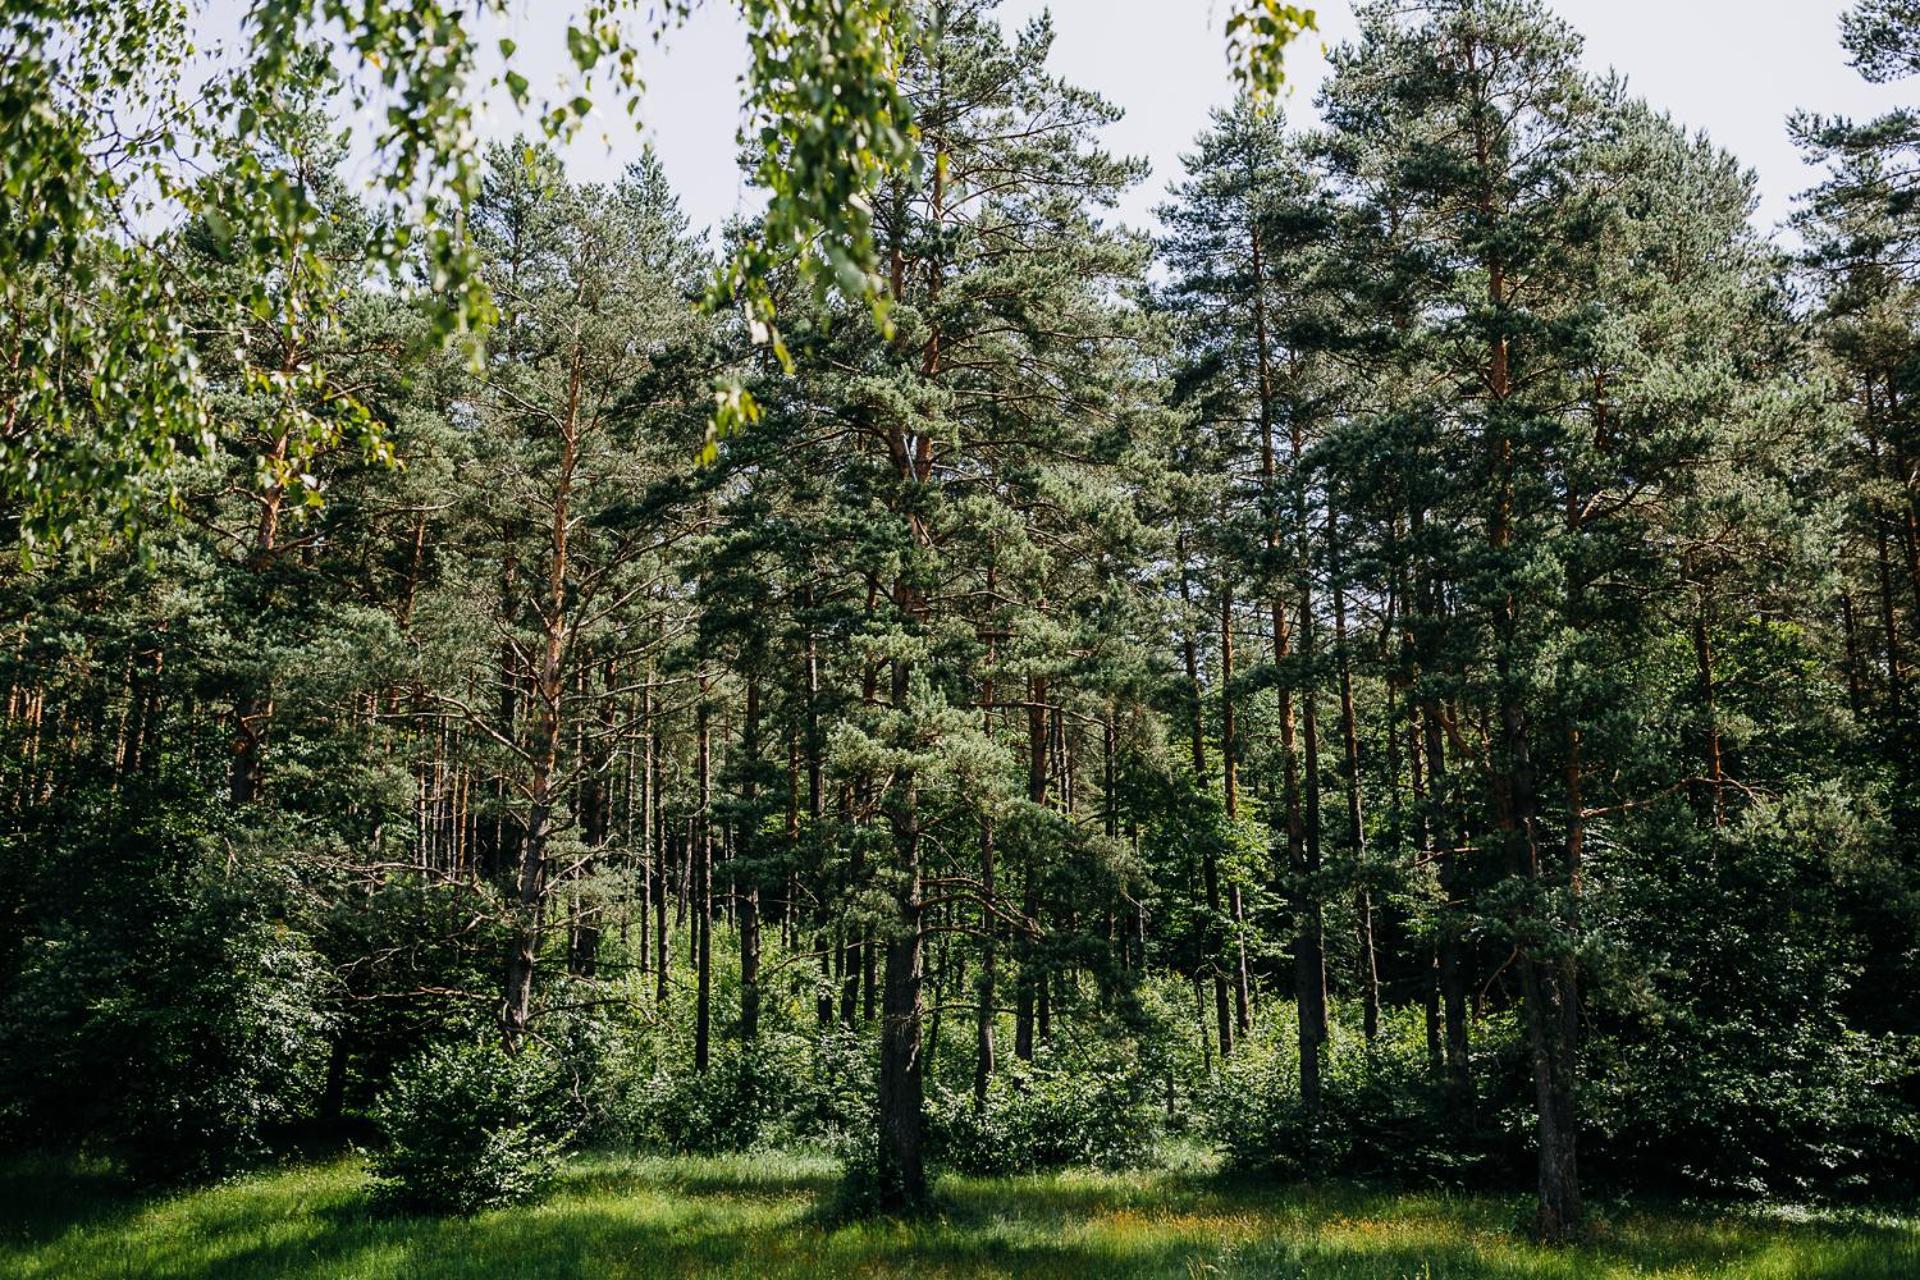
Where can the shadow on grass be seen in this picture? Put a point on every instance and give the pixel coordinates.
(768, 1217)
(1344, 1229)
(511, 1243)
(42, 1197)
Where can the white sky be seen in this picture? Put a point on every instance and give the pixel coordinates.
(1735, 68)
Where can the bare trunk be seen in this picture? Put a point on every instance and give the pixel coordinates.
(549, 683)
(1230, 791)
(253, 710)
(902, 1173)
(749, 906)
(1310, 956)
(1027, 980)
(702, 854)
(1716, 800)
(1369, 964)
(983, 1065)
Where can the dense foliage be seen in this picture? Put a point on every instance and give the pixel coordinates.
(1417, 684)
(116, 130)
(467, 1128)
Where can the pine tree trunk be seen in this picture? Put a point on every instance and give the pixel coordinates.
(1516, 810)
(1369, 964)
(530, 881)
(702, 854)
(1856, 696)
(1026, 993)
(247, 772)
(902, 1179)
(983, 1062)
(750, 896)
(901, 1173)
(1447, 837)
(1310, 958)
(1230, 792)
(1715, 787)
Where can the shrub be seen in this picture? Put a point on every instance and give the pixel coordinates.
(468, 1128)
(180, 1028)
(1725, 1053)
(786, 1089)
(833, 1101)
(1047, 1115)
(725, 1108)
(1382, 1114)
(602, 1063)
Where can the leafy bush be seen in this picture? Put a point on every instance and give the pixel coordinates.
(1382, 1115)
(237, 1032)
(1723, 1058)
(602, 1062)
(1047, 1115)
(179, 1027)
(725, 1108)
(833, 1100)
(468, 1128)
(785, 1089)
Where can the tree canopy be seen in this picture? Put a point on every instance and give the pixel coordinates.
(1405, 673)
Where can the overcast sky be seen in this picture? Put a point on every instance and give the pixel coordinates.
(1735, 68)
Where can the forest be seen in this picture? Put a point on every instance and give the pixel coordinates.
(1393, 697)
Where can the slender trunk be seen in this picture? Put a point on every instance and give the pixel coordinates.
(1856, 698)
(1516, 809)
(869, 980)
(902, 1175)
(1222, 1007)
(1209, 855)
(1027, 980)
(1310, 956)
(983, 1064)
(254, 709)
(649, 850)
(1903, 477)
(749, 906)
(1230, 792)
(1889, 619)
(594, 801)
(333, 1094)
(530, 882)
(662, 941)
(1189, 648)
(1716, 804)
(702, 853)
(850, 948)
(1356, 827)
(1453, 891)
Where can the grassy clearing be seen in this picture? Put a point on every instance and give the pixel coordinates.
(764, 1216)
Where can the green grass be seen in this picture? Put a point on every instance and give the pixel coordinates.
(765, 1216)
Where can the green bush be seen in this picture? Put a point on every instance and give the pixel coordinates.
(1382, 1114)
(833, 1101)
(603, 1061)
(1047, 1115)
(1724, 1054)
(786, 1089)
(725, 1108)
(468, 1128)
(179, 1028)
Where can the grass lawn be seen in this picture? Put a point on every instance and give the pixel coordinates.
(763, 1216)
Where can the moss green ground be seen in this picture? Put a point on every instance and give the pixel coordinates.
(765, 1217)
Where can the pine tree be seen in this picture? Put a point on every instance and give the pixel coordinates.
(963, 440)
(577, 417)
(1242, 240)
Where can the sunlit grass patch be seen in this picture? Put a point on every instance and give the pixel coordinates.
(765, 1216)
